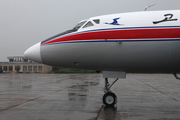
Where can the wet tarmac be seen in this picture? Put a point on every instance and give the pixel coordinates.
(79, 97)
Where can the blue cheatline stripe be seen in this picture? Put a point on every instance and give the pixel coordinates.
(109, 40)
(122, 28)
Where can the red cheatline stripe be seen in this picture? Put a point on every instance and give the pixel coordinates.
(155, 33)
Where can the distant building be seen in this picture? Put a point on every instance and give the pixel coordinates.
(23, 65)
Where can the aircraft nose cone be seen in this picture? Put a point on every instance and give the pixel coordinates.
(33, 53)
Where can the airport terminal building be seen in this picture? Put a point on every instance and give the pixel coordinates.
(19, 64)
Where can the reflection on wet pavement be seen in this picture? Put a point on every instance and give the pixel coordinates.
(79, 97)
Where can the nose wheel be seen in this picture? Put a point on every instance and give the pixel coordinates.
(109, 98)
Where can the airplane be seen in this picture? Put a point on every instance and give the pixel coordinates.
(116, 44)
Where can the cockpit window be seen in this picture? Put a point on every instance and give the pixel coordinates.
(69, 31)
(97, 21)
(79, 25)
(89, 24)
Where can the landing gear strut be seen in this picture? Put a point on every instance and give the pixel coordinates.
(109, 98)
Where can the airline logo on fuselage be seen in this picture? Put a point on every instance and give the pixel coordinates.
(168, 17)
(115, 22)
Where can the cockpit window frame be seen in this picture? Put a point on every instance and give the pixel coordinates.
(79, 25)
(88, 24)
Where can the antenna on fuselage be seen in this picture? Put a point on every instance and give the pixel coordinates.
(148, 7)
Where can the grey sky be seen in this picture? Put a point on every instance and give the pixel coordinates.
(26, 22)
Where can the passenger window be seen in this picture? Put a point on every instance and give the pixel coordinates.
(89, 24)
(97, 21)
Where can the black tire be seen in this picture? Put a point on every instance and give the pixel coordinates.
(109, 99)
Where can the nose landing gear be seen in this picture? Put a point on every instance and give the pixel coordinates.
(109, 98)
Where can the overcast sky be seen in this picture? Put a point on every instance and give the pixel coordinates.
(26, 22)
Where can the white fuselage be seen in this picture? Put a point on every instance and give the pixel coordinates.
(140, 42)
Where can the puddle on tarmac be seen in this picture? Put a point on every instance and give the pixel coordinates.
(77, 96)
(80, 88)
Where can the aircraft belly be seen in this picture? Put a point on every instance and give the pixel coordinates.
(142, 57)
